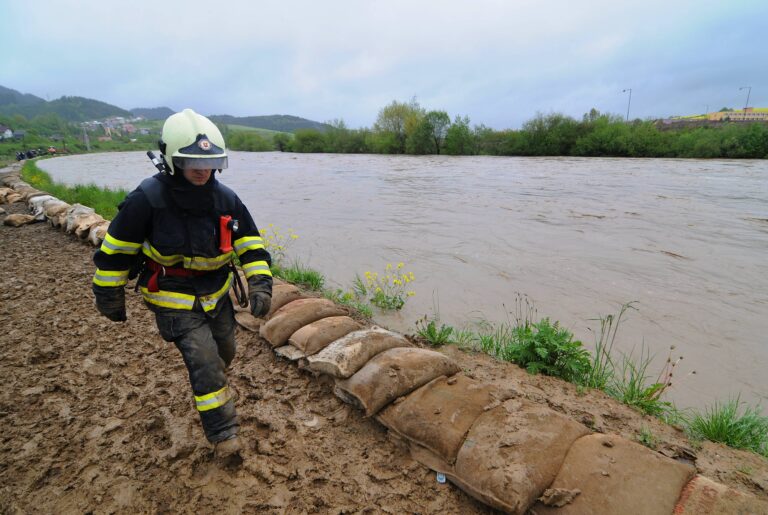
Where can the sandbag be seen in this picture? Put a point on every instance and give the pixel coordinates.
(73, 215)
(392, 374)
(247, 321)
(31, 193)
(314, 337)
(615, 475)
(18, 219)
(4, 192)
(702, 496)
(84, 224)
(294, 315)
(290, 352)
(283, 293)
(35, 205)
(12, 198)
(348, 354)
(513, 452)
(438, 415)
(97, 232)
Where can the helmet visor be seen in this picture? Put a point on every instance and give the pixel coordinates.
(199, 163)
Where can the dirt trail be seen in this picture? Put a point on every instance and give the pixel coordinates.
(98, 417)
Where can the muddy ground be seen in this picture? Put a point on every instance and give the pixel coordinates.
(98, 416)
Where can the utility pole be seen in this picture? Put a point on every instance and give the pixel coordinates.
(628, 101)
(749, 90)
(86, 140)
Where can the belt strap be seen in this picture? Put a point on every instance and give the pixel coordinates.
(159, 270)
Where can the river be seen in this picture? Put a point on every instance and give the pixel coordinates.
(687, 240)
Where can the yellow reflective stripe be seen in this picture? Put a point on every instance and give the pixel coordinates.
(209, 301)
(110, 277)
(256, 268)
(191, 263)
(112, 245)
(203, 263)
(152, 253)
(247, 243)
(168, 299)
(174, 300)
(212, 400)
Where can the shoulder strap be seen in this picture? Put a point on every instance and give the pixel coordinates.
(153, 189)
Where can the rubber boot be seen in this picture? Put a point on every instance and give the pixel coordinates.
(229, 447)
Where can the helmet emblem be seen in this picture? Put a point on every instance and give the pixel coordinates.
(204, 144)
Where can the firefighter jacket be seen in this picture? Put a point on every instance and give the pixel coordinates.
(176, 224)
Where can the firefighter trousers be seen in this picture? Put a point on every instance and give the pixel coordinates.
(207, 345)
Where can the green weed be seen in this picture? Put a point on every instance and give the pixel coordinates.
(435, 336)
(723, 423)
(339, 296)
(277, 242)
(630, 385)
(386, 291)
(647, 438)
(601, 369)
(298, 274)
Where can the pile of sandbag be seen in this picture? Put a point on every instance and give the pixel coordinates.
(76, 219)
(506, 451)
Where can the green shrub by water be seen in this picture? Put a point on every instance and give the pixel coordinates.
(725, 423)
(103, 200)
(297, 273)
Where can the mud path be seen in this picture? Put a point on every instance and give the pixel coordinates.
(98, 417)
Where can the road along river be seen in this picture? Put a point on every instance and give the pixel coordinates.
(686, 239)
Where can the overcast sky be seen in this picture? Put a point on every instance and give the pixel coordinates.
(498, 62)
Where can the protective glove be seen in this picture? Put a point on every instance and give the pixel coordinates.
(260, 303)
(260, 294)
(110, 301)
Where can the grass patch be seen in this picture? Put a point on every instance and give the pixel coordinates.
(301, 275)
(103, 200)
(723, 423)
(348, 299)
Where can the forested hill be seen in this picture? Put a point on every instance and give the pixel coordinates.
(71, 109)
(12, 97)
(275, 122)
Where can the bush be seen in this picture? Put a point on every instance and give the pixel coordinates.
(723, 423)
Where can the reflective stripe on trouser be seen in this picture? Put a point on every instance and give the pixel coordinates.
(207, 346)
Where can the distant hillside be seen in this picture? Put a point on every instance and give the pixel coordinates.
(275, 122)
(80, 109)
(153, 113)
(71, 109)
(12, 97)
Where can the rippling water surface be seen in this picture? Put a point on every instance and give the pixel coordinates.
(686, 239)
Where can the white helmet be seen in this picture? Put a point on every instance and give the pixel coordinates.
(192, 141)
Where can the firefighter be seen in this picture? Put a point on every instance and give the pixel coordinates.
(171, 225)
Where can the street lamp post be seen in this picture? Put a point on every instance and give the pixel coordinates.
(749, 90)
(628, 101)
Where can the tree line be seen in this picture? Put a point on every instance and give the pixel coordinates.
(407, 128)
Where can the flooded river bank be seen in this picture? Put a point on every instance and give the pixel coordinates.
(686, 239)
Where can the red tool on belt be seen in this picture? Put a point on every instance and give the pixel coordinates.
(226, 226)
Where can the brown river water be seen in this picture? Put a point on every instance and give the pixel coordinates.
(687, 240)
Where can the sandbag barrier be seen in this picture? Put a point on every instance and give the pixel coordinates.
(505, 451)
(82, 221)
